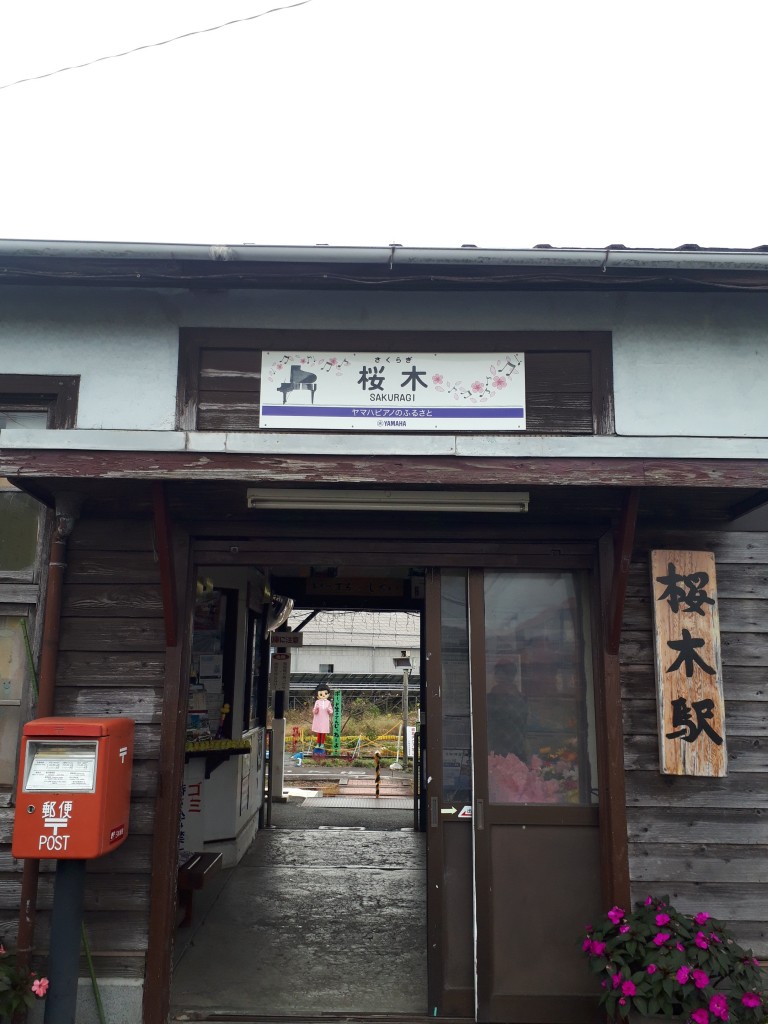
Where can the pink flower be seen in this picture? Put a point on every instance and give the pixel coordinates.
(751, 999)
(701, 940)
(651, 969)
(586, 946)
(718, 1006)
(662, 919)
(616, 980)
(680, 947)
(701, 918)
(597, 948)
(648, 901)
(615, 914)
(628, 988)
(624, 929)
(499, 383)
(40, 987)
(660, 938)
(700, 1017)
(700, 979)
(683, 974)
(512, 781)
(477, 386)
(622, 1002)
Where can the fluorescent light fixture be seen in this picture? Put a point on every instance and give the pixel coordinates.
(401, 501)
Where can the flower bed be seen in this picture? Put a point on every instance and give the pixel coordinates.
(657, 961)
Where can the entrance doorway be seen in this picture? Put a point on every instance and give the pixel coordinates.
(325, 913)
(510, 815)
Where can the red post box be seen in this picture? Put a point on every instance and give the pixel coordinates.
(74, 791)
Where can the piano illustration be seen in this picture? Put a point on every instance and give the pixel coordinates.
(300, 380)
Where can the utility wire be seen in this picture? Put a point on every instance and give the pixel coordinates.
(149, 46)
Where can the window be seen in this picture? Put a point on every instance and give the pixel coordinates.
(15, 670)
(22, 419)
(27, 402)
(20, 524)
(34, 401)
(540, 694)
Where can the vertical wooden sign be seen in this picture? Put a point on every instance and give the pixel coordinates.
(689, 677)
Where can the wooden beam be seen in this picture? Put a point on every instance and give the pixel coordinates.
(165, 559)
(752, 504)
(446, 471)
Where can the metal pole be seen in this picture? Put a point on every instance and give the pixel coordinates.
(269, 736)
(405, 717)
(416, 772)
(64, 956)
(377, 766)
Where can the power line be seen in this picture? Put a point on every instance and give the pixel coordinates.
(149, 46)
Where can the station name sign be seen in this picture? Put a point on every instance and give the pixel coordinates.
(392, 391)
(689, 675)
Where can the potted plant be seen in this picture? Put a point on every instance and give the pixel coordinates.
(19, 987)
(655, 961)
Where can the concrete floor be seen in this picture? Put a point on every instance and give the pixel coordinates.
(313, 920)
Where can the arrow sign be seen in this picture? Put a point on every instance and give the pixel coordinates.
(448, 810)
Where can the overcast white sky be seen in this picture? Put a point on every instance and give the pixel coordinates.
(363, 122)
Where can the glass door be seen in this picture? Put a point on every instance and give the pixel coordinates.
(450, 921)
(535, 821)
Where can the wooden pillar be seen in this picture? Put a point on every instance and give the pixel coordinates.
(175, 560)
(615, 557)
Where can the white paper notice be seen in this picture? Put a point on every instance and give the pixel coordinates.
(61, 769)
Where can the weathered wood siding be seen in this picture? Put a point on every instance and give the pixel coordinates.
(112, 662)
(568, 379)
(703, 840)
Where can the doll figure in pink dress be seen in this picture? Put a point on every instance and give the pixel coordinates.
(321, 717)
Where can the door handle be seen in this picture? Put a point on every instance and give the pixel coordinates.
(479, 814)
(434, 812)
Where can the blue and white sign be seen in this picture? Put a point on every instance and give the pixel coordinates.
(392, 391)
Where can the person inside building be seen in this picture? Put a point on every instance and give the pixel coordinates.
(507, 709)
